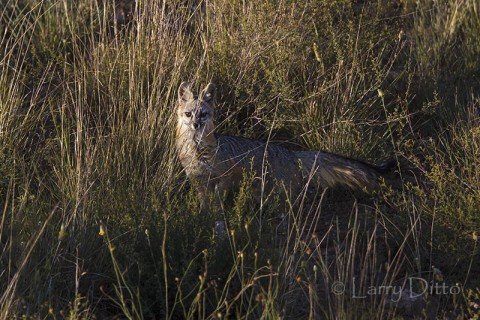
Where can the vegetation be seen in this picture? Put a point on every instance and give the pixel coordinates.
(99, 221)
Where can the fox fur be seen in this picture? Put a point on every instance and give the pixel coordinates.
(217, 163)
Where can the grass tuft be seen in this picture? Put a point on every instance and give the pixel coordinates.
(98, 219)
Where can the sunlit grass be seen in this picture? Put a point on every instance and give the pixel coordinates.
(98, 219)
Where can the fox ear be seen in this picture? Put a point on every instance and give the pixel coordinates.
(209, 93)
(185, 93)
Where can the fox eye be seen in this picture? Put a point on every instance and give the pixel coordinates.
(188, 114)
(203, 114)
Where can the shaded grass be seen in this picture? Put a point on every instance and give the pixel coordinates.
(86, 140)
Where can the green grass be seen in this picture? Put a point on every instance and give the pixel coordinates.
(87, 129)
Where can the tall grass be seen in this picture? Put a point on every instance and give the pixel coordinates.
(98, 219)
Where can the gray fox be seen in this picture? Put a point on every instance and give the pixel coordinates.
(217, 163)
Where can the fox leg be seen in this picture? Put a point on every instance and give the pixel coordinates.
(203, 198)
(220, 195)
(211, 196)
(220, 191)
(205, 194)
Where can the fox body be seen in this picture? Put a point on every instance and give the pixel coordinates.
(217, 163)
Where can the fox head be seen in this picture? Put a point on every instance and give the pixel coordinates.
(195, 114)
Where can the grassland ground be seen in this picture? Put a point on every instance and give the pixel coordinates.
(99, 221)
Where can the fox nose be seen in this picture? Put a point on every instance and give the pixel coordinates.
(196, 125)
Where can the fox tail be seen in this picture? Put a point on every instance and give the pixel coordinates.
(329, 170)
